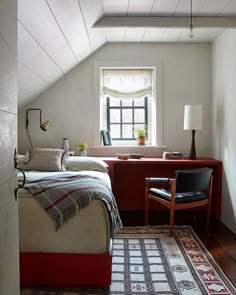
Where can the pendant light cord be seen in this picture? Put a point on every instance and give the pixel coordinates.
(29, 137)
(191, 16)
(191, 20)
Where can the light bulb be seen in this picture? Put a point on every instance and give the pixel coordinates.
(191, 33)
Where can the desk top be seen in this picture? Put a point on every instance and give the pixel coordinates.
(205, 161)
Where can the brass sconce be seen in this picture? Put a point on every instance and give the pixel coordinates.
(43, 126)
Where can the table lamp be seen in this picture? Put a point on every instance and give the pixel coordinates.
(193, 121)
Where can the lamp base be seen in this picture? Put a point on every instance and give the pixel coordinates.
(192, 155)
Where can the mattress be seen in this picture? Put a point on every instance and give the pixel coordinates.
(87, 232)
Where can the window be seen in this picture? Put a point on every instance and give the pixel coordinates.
(126, 116)
(127, 96)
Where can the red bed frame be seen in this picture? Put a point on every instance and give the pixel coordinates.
(65, 270)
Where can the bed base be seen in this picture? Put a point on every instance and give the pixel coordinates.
(65, 270)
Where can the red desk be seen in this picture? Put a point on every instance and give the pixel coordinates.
(129, 186)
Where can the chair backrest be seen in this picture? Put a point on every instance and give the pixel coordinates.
(190, 180)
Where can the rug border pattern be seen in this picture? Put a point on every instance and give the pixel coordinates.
(181, 240)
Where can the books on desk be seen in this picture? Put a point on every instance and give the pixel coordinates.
(173, 155)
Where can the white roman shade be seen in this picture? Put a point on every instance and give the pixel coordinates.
(127, 83)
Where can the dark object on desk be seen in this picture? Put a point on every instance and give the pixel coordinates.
(123, 156)
(136, 156)
(172, 155)
(189, 189)
(105, 137)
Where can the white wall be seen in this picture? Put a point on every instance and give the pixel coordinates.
(224, 119)
(186, 79)
(9, 250)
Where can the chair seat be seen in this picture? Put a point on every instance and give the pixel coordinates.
(185, 197)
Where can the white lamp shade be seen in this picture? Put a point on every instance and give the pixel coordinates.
(192, 117)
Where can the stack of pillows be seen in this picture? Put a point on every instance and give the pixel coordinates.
(55, 160)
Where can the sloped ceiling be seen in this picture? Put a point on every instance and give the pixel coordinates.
(56, 35)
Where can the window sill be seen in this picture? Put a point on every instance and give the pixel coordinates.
(111, 151)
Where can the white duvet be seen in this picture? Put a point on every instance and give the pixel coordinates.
(88, 232)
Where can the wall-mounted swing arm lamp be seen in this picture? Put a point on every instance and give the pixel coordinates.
(44, 126)
(193, 121)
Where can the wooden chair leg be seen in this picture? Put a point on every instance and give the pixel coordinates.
(172, 217)
(172, 206)
(146, 211)
(208, 218)
(209, 206)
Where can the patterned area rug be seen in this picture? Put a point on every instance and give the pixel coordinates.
(147, 261)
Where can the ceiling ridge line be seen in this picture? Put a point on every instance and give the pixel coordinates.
(8, 112)
(176, 8)
(85, 25)
(150, 13)
(8, 45)
(144, 31)
(224, 7)
(162, 35)
(178, 40)
(41, 46)
(32, 71)
(61, 30)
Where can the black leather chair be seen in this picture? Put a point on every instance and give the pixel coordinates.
(189, 189)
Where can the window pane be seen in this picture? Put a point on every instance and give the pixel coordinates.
(139, 101)
(115, 116)
(139, 115)
(127, 102)
(127, 116)
(115, 131)
(127, 131)
(139, 126)
(114, 102)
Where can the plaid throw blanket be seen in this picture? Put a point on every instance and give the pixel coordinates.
(62, 196)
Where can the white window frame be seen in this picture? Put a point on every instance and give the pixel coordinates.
(156, 114)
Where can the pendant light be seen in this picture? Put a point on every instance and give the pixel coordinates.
(191, 34)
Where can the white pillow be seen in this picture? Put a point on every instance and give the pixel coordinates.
(86, 163)
(22, 159)
(43, 159)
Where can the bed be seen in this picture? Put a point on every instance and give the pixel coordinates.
(77, 251)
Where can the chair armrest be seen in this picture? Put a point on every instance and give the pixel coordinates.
(157, 180)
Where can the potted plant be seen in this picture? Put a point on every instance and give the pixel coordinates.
(81, 148)
(141, 136)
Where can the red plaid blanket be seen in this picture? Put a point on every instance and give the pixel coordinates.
(62, 196)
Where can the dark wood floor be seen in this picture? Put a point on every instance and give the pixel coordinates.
(221, 243)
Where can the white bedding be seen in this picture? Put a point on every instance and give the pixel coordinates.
(88, 232)
(38, 174)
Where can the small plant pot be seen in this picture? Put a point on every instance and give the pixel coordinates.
(82, 153)
(141, 140)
